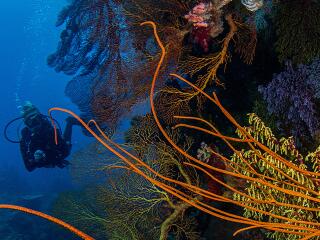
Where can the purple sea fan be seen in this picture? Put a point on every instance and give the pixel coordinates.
(293, 96)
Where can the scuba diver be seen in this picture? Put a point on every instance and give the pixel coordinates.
(37, 142)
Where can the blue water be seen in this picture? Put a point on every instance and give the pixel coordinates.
(28, 36)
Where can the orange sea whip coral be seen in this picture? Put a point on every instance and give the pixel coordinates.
(48, 217)
(305, 229)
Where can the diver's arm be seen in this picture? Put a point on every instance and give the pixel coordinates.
(61, 150)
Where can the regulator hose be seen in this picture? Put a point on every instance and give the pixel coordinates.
(18, 118)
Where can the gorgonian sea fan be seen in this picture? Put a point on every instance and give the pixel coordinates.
(102, 45)
(293, 96)
(89, 49)
(291, 182)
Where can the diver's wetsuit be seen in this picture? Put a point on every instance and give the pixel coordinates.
(43, 139)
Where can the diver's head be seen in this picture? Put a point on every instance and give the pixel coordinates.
(31, 115)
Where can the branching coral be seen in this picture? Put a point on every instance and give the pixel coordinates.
(133, 207)
(294, 208)
(298, 185)
(277, 183)
(115, 70)
(118, 210)
(90, 48)
(293, 97)
(195, 64)
(298, 179)
(205, 69)
(144, 140)
(140, 210)
(176, 100)
(82, 210)
(111, 73)
(245, 41)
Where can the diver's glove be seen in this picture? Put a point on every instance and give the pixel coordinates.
(39, 155)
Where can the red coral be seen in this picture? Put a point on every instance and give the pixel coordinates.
(205, 154)
(212, 185)
(201, 37)
(206, 24)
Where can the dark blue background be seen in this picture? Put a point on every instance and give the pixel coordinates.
(28, 36)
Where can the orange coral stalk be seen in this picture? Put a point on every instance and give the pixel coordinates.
(48, 217)
(245, 133)
(216, 101)
(307, 229)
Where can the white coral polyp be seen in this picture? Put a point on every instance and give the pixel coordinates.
(252, 5)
